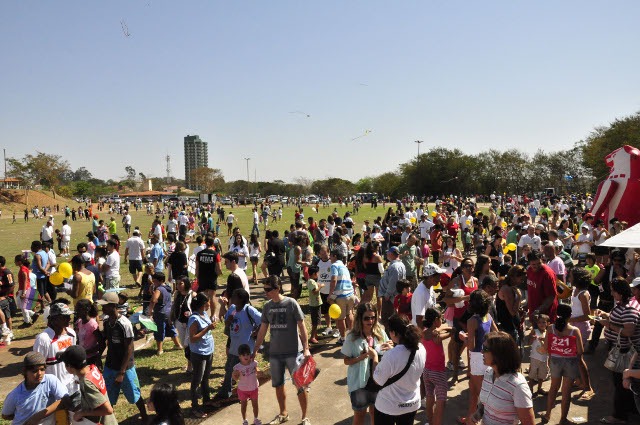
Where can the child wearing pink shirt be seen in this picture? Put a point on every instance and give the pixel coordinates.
(245, 374)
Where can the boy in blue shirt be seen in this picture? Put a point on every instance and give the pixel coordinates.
(38, 397)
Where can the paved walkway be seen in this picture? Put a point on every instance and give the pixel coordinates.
(329, 401)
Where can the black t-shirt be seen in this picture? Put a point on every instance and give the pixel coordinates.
(6, 288)
(178, 261)
(207, 260)
(117, 336)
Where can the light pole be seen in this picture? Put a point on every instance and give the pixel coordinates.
(418, 142)
(248, 183)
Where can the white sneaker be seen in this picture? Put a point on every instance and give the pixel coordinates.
(336, 334)
(5, 330)
(327, 332)
(306, 421)
(245, 422)
(461, 364)
(257, 421)
(7, 339)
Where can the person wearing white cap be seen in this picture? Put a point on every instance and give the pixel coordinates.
(424, 297)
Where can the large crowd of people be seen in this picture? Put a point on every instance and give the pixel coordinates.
(527, 279)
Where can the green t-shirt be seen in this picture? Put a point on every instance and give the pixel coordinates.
(409, 260)
(512, 236)
(594, 270)
(112, 227)
(314, 299)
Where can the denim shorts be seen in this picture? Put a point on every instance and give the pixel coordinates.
(130, 385)
(278, 363)
(564, 367)
(362, 398)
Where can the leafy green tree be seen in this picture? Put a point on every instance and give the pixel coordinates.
(41, 168)
(604, 140)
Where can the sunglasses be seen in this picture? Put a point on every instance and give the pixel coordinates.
(268, 288)
(368, 318)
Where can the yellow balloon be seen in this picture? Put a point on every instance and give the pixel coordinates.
(468, 222)
(65, 270)
(512, 246)
(335, 311)
(56, 279)
(413, 220)
(505, 250)
(504, 224)
(433, 213)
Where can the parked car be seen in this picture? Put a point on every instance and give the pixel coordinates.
(227, 201)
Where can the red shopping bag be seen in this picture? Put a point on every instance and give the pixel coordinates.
(306, 373)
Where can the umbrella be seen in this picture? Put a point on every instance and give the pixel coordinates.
(145, 321)
(630, 238)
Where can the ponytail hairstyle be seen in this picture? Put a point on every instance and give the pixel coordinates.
(408, 334)
(564, 313)
(430, 316)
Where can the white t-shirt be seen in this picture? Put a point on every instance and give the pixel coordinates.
(47, 233)
(403, 396)
(324, 276)
(66, 233)
(172, 226)
(422, 299)
(243, 277)
(48, 347)
(584, 248)
(135, 245)
(256, 219)
(535, 242)
(242, 261)
(113, 261)
(158, 232)
(230, 218)
(127, 219)
(425, 229)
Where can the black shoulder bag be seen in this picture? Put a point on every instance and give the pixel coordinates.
(373, 386)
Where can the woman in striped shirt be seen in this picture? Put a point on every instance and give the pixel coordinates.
(505, 396)
(623, 320)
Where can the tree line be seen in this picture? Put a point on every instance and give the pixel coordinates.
(439, 171)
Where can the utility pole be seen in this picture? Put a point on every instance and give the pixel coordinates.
(5, 167)
(248, 182)
(418, 142)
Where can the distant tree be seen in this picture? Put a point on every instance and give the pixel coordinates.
(41, 168)
(82, 174)
(131, 172)
(604, 140)
(208, 180)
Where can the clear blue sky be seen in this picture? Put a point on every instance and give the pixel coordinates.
(465, 74)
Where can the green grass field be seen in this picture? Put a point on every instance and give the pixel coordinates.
(152, 368)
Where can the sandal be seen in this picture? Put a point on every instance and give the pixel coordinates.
(587, 395)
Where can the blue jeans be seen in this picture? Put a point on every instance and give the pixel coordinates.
(255, 230)
(225, 389)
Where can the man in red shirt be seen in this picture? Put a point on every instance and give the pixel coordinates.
(542, 295)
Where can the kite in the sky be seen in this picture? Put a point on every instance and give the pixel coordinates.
(366, 133)
(301, 112)
(125, 28)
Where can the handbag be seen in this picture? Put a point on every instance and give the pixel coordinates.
(373, 386)
(616, 360)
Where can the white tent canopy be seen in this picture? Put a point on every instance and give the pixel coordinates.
(630, 238)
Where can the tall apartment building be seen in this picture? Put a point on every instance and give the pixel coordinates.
(196, 155)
